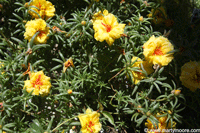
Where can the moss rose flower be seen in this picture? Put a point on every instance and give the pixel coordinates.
(44, 8)
(190, 75)
(108, 29)
(39, 83)
(90, 122)
(156, 50)
(37, 25)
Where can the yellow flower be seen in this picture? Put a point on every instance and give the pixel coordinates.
(68, 63)
(44, 8)
(159, 15)
(190, 75)
(99, 15)
(39, 83)
(137, 76)
(156, 49)
(108, 29)
(37, 25)
(161, 125)
(90, 122)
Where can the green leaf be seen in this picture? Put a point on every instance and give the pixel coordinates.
(38, 46)
(109, 117)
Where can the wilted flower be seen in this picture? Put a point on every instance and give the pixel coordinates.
(156, 50)
(44, 8)
(190, 75)
(161, 125)
(68, 63)
(159, 15)
(34, 26)
(90, 122)
(137, 76)
(108, 29)
(38, 83)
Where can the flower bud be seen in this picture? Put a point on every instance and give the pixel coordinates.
(83, 23)
(26, 5)
(73, 127)
(169, 112)
(69, 91)
(176, 92)
(141, 18)
(148, 113)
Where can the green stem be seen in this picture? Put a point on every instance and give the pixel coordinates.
(63, 123)
(7, 40)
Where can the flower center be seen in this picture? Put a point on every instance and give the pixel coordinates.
(39, 5)
(107, 27)
(68, 64)
(89, 126)
(158, 51)
(41, 33)
(37, 81)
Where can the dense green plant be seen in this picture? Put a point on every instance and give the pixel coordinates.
(101, 78)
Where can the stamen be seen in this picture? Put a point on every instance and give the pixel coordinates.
(108, 27)
(158, 51)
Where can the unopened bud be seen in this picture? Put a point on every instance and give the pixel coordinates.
(69, 91)
(83, 22)
(24, 21)
(148, 113)
(169, 112)
(26, 5)
(176, 92)
(141, 18)
(73, 127)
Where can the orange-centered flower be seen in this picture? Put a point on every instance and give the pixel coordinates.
(156, 50)
(38, 83)
(90, 122)
(107, 29)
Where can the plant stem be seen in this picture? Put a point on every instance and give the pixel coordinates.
(63, 123)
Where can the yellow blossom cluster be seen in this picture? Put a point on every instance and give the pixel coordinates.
(41, 10)
(155, 51)
(106, 27)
